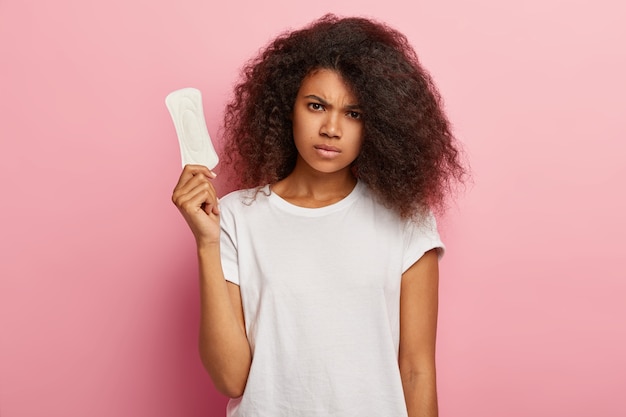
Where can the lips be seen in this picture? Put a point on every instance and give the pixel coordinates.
(327, 148)
(327, 151)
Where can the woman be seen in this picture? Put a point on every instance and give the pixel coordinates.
(319, 277)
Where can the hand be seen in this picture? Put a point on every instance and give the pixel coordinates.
(197, 201)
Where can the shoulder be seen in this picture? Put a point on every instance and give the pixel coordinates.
(244, 207)
(419, 230)
(423, 220)
(241, 199)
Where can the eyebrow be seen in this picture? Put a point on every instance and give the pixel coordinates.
(325, 103)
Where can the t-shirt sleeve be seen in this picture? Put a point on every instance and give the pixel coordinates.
(421, 236)
(228, 245)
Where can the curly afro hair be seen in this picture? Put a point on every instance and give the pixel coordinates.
(409, 157)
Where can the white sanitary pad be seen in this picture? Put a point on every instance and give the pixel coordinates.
(185, 107)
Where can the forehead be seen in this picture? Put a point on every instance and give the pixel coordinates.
(327, 82)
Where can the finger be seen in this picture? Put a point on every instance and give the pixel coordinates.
(196, 201)
(202, 193)
(201, 169)
(198, 180)
(189, 171)
(193, 182)
(216, 208)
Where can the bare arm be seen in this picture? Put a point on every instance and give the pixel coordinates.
(418, 330)
(224, 347)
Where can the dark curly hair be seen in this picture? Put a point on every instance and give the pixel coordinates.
(409, 157)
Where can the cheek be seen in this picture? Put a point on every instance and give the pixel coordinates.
(359, 141)
(300, 124)
(299, 132)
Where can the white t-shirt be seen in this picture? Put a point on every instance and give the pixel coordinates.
(321, 298)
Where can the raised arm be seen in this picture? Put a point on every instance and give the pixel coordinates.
(224, 347)
(418, 329)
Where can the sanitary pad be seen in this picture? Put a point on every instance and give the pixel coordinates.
(185, 107)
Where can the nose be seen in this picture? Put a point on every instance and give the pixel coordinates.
(331, 126)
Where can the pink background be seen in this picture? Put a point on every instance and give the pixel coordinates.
(98, 292)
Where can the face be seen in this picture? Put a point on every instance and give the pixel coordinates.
(327, 125)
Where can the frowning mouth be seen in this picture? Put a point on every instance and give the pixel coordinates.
(327, 148)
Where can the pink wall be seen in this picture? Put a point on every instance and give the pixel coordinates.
(98, 299)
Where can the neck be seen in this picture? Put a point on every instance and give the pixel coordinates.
(315, 189)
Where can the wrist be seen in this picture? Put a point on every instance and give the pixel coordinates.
(207, 246)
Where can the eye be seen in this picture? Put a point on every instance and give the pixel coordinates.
(354, 115)
(316, 107)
